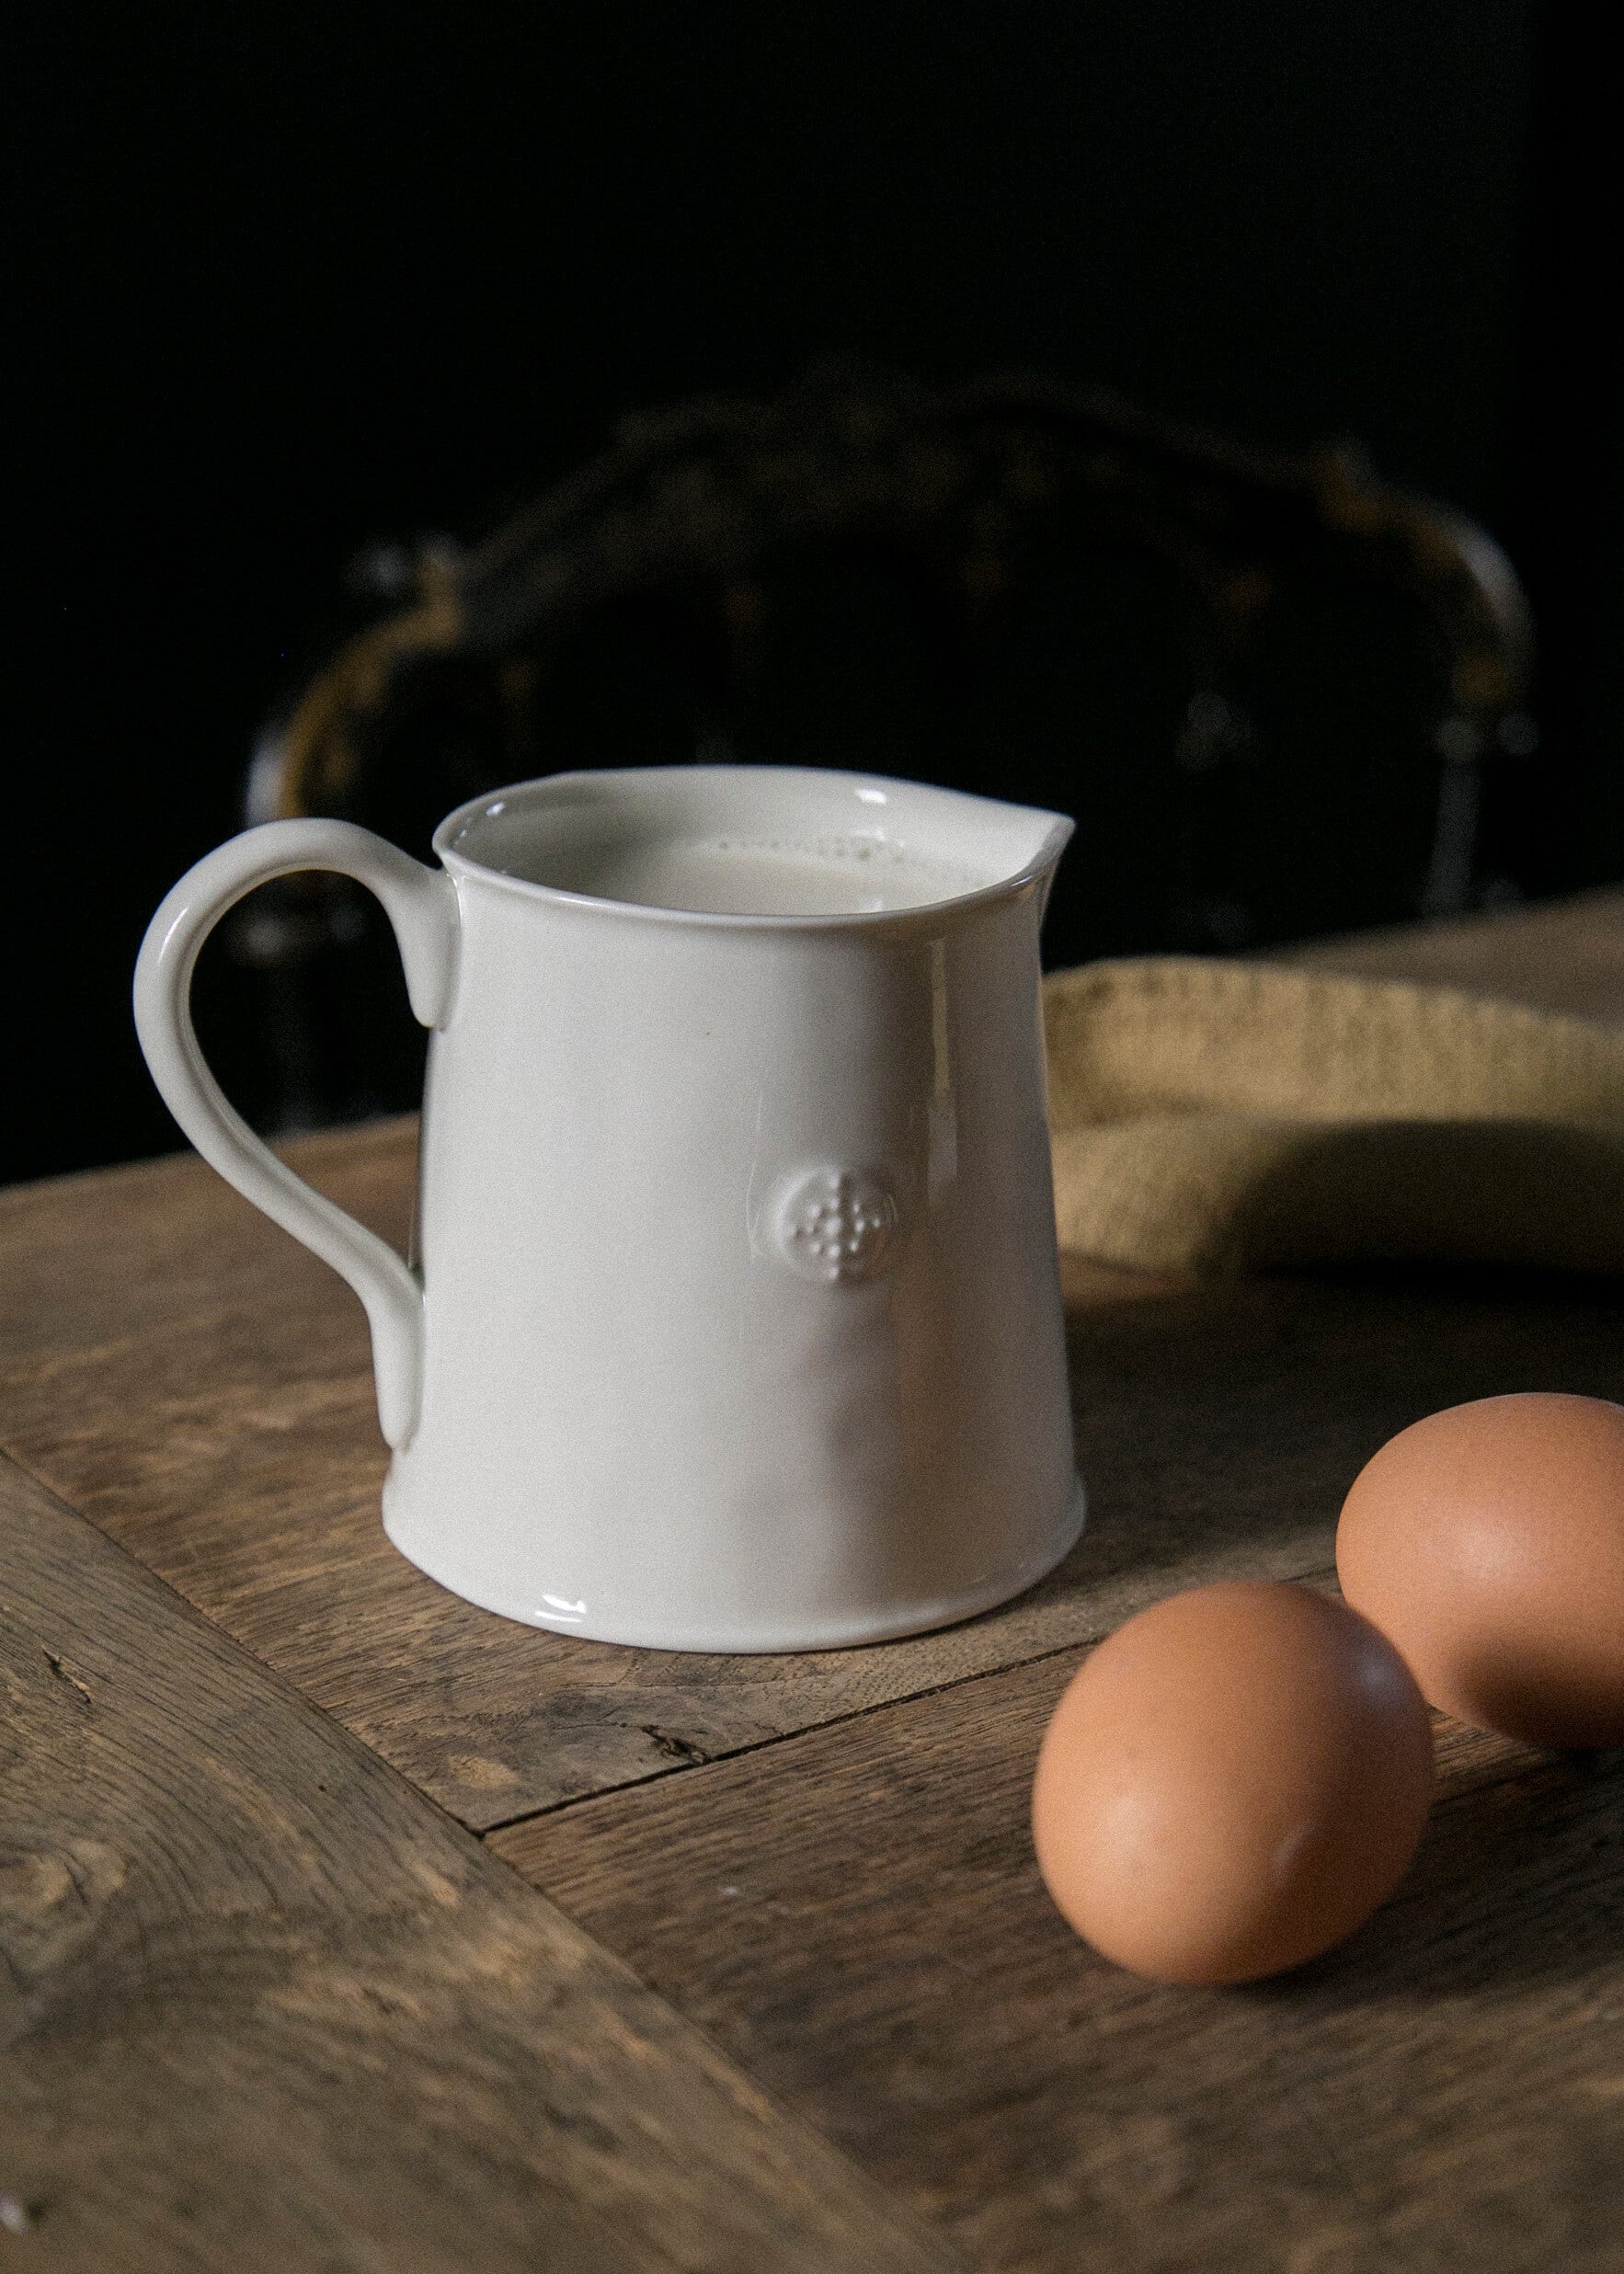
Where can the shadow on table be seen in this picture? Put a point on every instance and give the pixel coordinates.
(1242, 1410)
(1518, 1885)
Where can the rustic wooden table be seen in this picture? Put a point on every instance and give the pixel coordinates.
(347, 1927)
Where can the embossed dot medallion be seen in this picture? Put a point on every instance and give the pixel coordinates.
(833, 1224)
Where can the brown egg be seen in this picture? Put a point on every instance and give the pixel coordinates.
(1487, 1542)
(1231, 1783)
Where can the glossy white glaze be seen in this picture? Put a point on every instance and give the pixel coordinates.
(737, 1324)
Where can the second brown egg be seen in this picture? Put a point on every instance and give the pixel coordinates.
(1487, 1542)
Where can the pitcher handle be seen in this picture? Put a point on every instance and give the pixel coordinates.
(421, 904)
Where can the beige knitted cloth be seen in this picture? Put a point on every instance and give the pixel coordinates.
(1225, 1117)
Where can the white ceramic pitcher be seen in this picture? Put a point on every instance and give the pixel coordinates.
(737, 1320)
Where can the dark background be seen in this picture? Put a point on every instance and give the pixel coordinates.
(296, 279)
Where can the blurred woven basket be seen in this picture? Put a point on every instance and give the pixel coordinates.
(1266, 685)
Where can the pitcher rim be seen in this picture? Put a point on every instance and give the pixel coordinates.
(1030, 872)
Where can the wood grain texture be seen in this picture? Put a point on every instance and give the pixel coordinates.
(186, 1375)
(855, 1915)
(263, 2007)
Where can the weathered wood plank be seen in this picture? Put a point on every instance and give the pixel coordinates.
(856, 1916)
(188, 1377)
(264, 2007)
